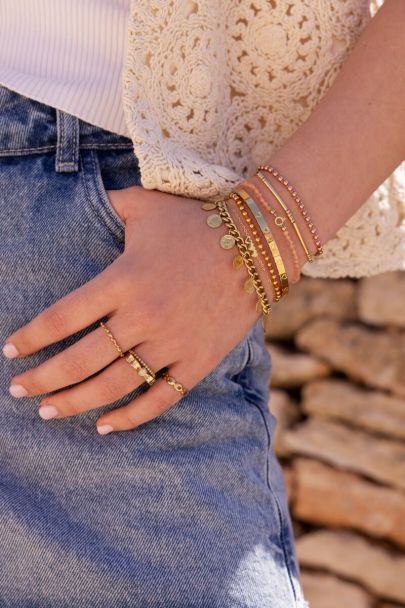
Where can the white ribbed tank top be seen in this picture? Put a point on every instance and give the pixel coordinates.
(68, 54)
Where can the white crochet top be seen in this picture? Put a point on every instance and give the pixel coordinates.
(212, 87)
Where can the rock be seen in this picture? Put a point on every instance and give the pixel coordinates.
(286, 412)
(349, 449)
(381, 299)
(375, 357)
(327, 591)
(318, 498)
(355, 558)
(294, 369)
(369, 409)
(311, 298)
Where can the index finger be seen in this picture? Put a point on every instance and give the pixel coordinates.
(73, 312)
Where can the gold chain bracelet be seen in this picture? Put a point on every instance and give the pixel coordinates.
(293, 192)
(264, 227)
(279, 221)
(271, 271)
(244, 252)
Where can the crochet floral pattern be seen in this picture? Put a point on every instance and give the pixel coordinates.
(213, 87)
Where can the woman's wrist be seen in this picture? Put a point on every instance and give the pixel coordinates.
(291, 249)
(299, 219)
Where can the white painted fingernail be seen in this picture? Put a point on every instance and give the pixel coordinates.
(17, 390)
(10, 351)
(47, 411)
(103, 429)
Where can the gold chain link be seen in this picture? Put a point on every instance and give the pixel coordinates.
(243, 246)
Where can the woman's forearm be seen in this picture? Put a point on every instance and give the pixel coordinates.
(355, 137)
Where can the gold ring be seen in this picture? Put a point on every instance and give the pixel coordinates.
(176, 385)
(140, 366)
(113, 340)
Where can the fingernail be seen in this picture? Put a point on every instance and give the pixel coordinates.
(47, 411)
(17, 390)
(10, 351)
(103, 429)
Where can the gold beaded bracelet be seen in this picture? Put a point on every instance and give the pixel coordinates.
(244, 229)
(264, 227)
(279, 221)
(260, 246)
(290, 216)
(294, 194)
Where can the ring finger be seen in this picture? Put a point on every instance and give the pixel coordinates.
(84, 358)
(114, 382)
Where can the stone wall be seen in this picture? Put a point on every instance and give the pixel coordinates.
(338, 393)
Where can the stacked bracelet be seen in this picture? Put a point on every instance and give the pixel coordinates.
(279, 221)
(260, 245)
(263, 226)
(294, 194)
(290, 216)
(258, 236)
(232, 238)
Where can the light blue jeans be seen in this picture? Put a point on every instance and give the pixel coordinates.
(186, 511)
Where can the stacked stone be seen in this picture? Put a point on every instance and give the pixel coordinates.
(338, 393)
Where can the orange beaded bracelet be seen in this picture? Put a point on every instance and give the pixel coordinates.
(294, 194)
(234, 196)
(279, 222)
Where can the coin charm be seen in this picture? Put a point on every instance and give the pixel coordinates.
(249, 286)
(237, 262)
(214, 220)
(208, 206)
(227, 241)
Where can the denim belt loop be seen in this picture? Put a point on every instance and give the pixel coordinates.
(68, 141)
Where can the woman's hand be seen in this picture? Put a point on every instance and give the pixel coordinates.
(172, 296)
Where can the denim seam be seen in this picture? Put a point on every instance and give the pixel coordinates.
(94, 207)
(278, 508)
(21, 151)
(96, 146)
(52, 147)
(60, 142)
(75, 142)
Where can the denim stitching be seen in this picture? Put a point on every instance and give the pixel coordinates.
(279, 513)
(60, 142)
(75, 127)
(116, 146)
(88, 194)
(20, 151)
(64, 147)
(51, 148)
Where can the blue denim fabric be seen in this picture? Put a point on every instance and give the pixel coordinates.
(186, 511)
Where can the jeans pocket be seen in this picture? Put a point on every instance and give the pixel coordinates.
(97, 197)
